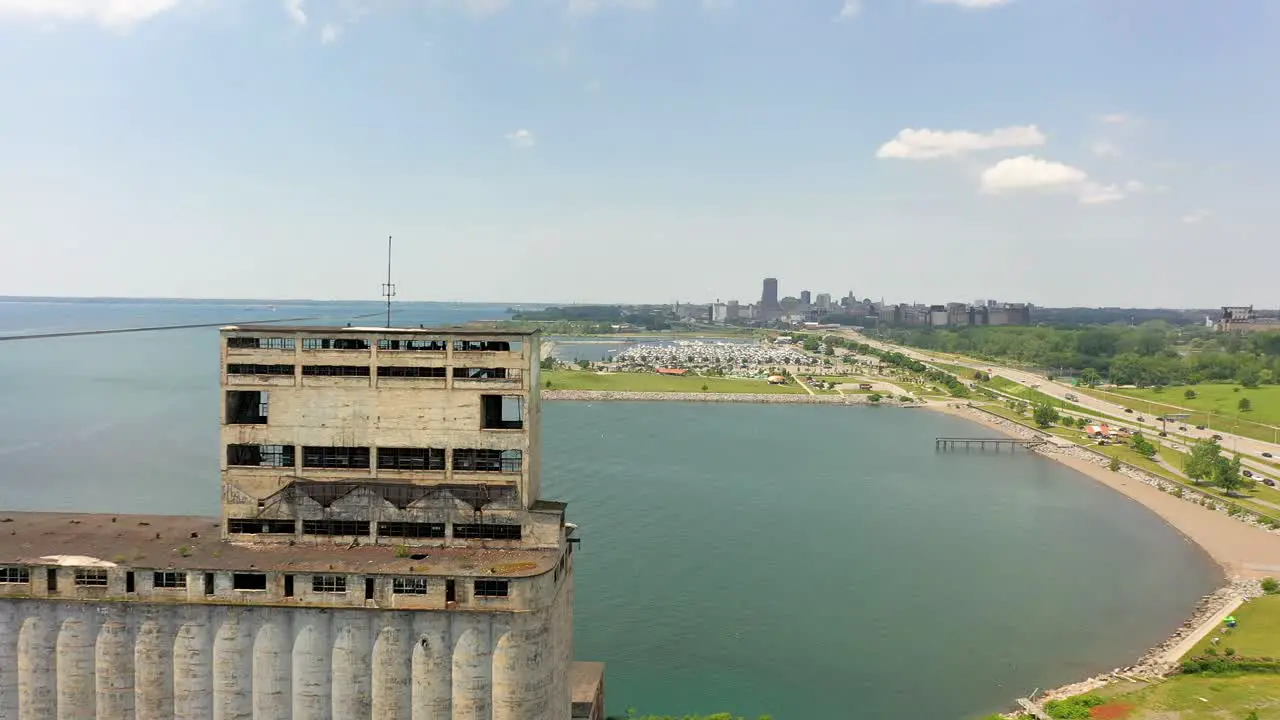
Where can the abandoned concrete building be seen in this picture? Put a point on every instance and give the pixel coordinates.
(383, 553)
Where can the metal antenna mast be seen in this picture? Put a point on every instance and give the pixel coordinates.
(388, 289)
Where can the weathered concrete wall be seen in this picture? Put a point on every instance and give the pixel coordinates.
(134, 661)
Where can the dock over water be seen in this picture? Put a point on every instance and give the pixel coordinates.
(953, 443)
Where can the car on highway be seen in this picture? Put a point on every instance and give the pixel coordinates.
(1141, 419)
(1217, 437)
(1268, 482)
(1072, 397)
(1266, 454)
(1164, 434)
(1199, 427)
(1247, 473)
(1182, 427)
(1128, 410)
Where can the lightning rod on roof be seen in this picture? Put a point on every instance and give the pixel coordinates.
(388, 289)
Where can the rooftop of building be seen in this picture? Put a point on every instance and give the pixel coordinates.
(332, 329)
(184, 542)
(584, 679)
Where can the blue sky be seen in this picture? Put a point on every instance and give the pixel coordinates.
(1054, 151)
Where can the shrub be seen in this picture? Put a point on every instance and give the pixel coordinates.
(403, 551)
(1229, 652)
(1177, 492)
(1270, 585)
(1073, 708)
(1114, 465)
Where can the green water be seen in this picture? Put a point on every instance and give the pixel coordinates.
(825, 562)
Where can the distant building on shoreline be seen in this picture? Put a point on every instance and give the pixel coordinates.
(1241, 318)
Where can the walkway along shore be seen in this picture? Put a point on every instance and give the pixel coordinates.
(605, 395)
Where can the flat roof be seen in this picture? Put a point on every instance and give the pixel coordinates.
(330, 329)
(183, 542)
(584, 678)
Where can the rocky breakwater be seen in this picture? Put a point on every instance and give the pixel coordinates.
(603, 395)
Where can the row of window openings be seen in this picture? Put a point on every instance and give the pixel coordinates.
(284, 343)
(85, 577)
(358, 458)
(384, 371)
(349, 528)
(497, 412)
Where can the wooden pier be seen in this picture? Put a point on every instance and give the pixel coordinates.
(947, 443)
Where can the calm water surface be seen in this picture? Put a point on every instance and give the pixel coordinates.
(809, 562)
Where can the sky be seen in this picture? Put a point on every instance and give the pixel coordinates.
(1059, 152)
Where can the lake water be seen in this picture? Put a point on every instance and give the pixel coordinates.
(804, 561)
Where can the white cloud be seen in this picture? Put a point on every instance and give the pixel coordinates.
(1028, 172)
(1095, 194)
(1195, 217)
(1104, 148)
(850, 9)
(296, 13)
(330, 33)
(522, 139)
(913, 144)
(116, 14)
(973, 4)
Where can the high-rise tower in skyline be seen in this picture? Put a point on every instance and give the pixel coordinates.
(769, 307)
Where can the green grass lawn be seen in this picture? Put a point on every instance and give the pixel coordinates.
(1199, 697)
(652, 382)
(1221, 399)
(1257, 633)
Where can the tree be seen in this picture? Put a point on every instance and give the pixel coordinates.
(875, 397)
(1143, 446)
(1090, 377)
(704, 387)
(1244, 405)
(1200, 464)
(1114, 465)
(1226, 474)
(1045, 415)
(1082, 422)
(1189, 394)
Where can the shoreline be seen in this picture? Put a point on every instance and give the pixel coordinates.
(635, 396)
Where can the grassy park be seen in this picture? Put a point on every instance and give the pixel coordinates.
(1221, 399)
(652, 382)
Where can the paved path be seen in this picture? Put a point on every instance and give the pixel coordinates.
(1210, 624)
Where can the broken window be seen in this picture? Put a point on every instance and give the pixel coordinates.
(245, 526)
(419, 345)
(479, 460)
(409, 586)
(260, 455)
(470, 373)
(91, 577)
(328, 584)
(410, 459)
(336, 370)
(486, 346)
(244, 369)
(354, 458)
(247, 407)
(393, 371)
(261, 343)
(335, 527)
(248, 581)
(335, 344)
(486, 531)
(12, 575)
(411, 530)
(501, 412)
(491, 588)
(172, 580)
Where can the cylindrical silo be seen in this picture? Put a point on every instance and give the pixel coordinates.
(272, 656)
(9, 627)
(77, 637)
(37, 698)
(509, 699)
(351, 672)
(113, 662)
(391, 669)
(233, 667)
(472, 667)
(193, 666)
(432, 673)
(153, 669)
(311, 666)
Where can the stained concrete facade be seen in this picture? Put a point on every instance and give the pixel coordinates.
(436, 586)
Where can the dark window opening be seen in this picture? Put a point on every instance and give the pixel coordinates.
(395, 371)
(450, 591)
(128, 581)
(288, 586)
(410, 586)
(243, 369)
(474, 460)
(91, 578)
(328, 584)
(471, 373)
(336, 370)
(335, 527)
(501, 412)
(419, 345)
(356, 458)
(13, 575)
(486, 346)
(260, 455)
(486, 531)
(247, 407)
(411, 530)
(51, 579)
(491, 588)
(208, 583)
(261, 343)
(171, 580)
(410, 458)
(368, 588)
(335, 344)
(248, 581)
(247, 526)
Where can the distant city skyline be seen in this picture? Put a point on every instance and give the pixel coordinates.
(640, 150)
